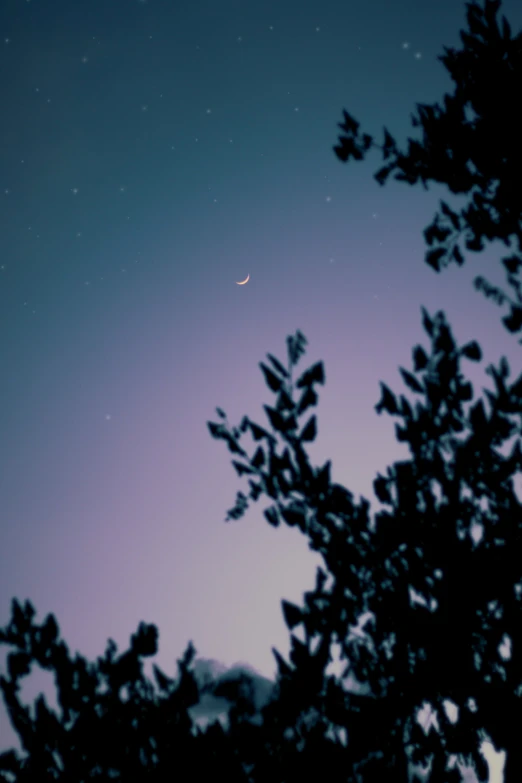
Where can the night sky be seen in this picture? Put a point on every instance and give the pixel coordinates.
(152, 154)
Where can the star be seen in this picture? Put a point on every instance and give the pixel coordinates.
(85, 59)
(209, 111)
(144, 107)
(108, 417)
(405, 45)
(296, 108)
(271, 27)
(317, 29)
(418, 55)
(74, 191)
(122, 188)
(239, 39)
(328, 198)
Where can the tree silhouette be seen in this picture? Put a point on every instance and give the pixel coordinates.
(113, 723)
(414, 653)
(441, 570)
(437, 572)
(472, 145)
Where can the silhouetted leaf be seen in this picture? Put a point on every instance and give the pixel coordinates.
(380, 487)
(387, 402)
(258, 433)
(450, 214)
(349, 123)
(389, 145)
(315, 374)
(457, 255)
(515, 390)
(255, 489)
(278, 422)
(293, 614)
(296, 347)
(293, 516)
(420, 360)
(475, 243)
(383, 173)
(308, 398)
(283, 668)
(277, 365)
(145, 641)
(411, 381)
(164, 683)
(310, 430)
(49, 631)
(427, 322)
(273, 382)
(241, 468)
(512, 264)
(272, 516)
(284, 401)
(433, 257)
(258, 459)
(322, 478)
(513, 321)
(221, 413)
(216, 430)
(472, 351)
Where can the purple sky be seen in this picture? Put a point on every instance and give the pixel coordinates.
(152, 154)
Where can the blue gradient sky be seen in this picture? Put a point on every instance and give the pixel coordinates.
(152, 154)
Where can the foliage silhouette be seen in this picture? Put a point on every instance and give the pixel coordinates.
(102, 732)
(443, 602)
(445, 648)
(471, 143)
(441, 570)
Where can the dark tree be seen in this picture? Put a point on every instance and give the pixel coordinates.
(112, 722)
(441, 569)
(442, 649)
(471, 143)
(459, 640)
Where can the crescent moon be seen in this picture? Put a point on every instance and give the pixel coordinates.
(243, 282)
